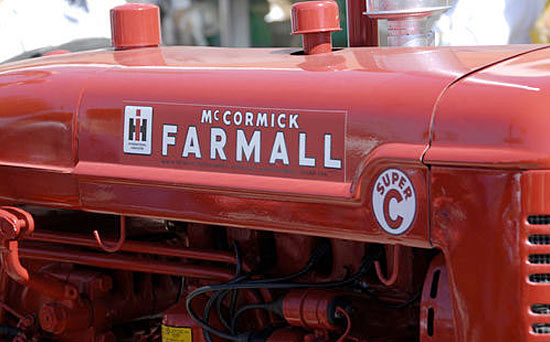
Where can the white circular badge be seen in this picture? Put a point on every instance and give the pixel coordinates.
(394, 201)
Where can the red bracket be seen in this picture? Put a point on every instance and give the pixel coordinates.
(119, 243)
(392, 278)
(17, 224)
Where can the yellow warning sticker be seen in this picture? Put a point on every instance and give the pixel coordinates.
(176, 334)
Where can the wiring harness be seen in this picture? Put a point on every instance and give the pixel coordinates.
(247, 281)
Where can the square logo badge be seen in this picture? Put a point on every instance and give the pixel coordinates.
(138, 129)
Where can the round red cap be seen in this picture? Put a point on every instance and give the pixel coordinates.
(135, 25)
(315, 17)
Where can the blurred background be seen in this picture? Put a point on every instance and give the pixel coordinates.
(34, 27)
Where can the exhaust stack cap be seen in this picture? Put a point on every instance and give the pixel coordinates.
(315, 20)
(135, 25)
(407, 19)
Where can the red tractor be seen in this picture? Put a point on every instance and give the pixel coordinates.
(366, 194)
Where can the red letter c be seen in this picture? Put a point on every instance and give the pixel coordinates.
(394, 224)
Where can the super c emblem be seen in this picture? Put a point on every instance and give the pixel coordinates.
(394, 201)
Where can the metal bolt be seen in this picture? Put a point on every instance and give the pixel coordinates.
(53, 318)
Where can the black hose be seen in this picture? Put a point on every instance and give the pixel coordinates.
(275, 306)
(267, 283)
(219, 312)
(206, 327)
(206, 313)
(264, 284)
(219, 294)
(233, 304)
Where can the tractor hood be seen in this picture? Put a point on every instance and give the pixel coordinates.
(497, 117)
(184, 132)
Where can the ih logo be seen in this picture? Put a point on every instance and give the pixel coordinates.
(394, 201)
(138, 122)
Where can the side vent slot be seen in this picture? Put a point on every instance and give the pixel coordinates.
(542, 328)
(539, 219)
(540, 278)
(539, 239)
(435, 284)
(540, 309)
(536, 247)
(431, 318)
(539, 258)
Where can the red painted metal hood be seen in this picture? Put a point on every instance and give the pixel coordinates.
(497, 117)
(188, 133)
(60, 110)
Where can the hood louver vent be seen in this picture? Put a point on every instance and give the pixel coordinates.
(539, 219)
(540, 259)
(540, 309)
(539, 239)
(540, 278)
(541, 328)
(535, 237)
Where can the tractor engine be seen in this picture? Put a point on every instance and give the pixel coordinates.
(202, 282)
